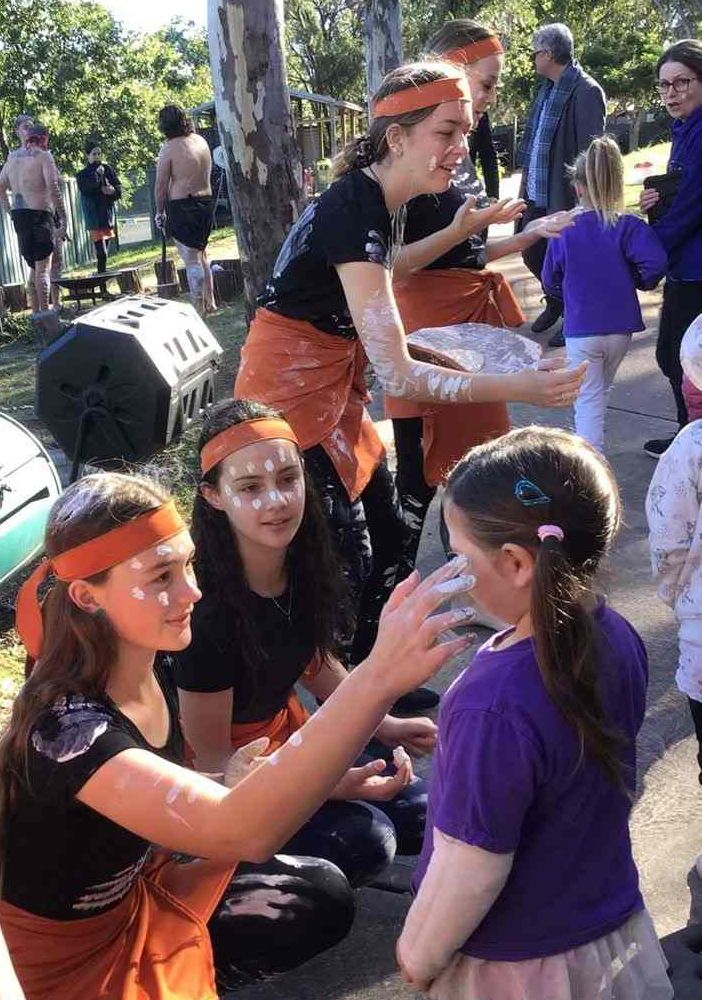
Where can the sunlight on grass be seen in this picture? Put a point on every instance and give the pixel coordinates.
(657, 156)
(222, 242)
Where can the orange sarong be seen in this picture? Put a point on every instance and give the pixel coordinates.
(444, 297)
(154, 945)
(278, 729)
(316, 381)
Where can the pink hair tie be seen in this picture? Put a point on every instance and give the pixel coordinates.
(550, 531)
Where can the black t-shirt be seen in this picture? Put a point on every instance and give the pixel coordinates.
(64, 860)
(348, 222)
(214, 662)
(428, 213)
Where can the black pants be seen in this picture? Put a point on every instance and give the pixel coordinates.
(277, 915)
(372, 540)
(415, 492)
(696, 713)
(101, 255)
(535, 255)
(682, 303)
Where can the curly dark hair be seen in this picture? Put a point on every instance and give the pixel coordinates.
(311, 560)
(173, 121)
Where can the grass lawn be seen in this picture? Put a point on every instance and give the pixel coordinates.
(176, 467)
(222, 243)
(657, 156)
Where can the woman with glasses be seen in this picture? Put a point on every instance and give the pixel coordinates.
(679, 84)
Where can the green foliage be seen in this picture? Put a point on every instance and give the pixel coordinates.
(78, 70)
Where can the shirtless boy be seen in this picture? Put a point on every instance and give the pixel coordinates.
(184, 197)
(31, 174)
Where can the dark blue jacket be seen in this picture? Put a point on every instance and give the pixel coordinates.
(680, 229)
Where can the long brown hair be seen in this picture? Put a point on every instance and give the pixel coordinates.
(373, 146)
(78, 648)
(505, 490)
(311, 557)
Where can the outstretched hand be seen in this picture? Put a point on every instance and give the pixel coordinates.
(369, 783)
(551, 226)
(469, 220)
(245, 760)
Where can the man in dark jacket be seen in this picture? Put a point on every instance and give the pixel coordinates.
(569, 111)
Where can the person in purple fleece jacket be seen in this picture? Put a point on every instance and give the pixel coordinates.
(596, 267)
(679, 83)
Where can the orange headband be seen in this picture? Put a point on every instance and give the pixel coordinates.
(475, 51)
(239, 435)
(453, 88)
(93, 556)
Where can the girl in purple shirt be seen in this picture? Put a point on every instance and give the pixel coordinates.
(526, 886)
(596, 267)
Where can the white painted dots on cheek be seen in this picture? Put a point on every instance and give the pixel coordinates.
(256, 504)
(135, 564)
(432, 163)
(163, 599)
(163, 550)
(137, 593)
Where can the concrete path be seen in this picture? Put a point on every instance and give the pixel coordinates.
(666, 831)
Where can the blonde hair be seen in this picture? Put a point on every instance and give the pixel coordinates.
(373, 146)
(600, 171)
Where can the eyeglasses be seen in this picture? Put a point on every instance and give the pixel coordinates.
(680, 85)
(538, 52)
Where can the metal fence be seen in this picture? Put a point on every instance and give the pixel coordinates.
(77, 250)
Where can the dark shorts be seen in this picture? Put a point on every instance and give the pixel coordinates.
(35, 233)
(190, 220)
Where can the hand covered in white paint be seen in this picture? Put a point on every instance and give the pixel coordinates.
(551, 226)
(369, 783)
(468, 220)
(408, 649)
(245, 760)
(418, 736)
(548, 387)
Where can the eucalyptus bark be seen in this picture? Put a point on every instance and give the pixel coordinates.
(383, 29)
(263, 164)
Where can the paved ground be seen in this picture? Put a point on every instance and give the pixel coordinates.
(665, 828)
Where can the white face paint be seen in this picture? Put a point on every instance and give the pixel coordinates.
(182, 549)
(164, 550)
(432, 163)
(236, 501)
(282, 455)
(256, 504)
(135, 564)
(228, 491)
(138, 593)
(268, 465)
(250, 468)
(458, 585)
(163, 599)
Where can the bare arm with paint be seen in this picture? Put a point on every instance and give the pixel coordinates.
(163, 176)
(185, 811)
(369, 295)
(546, 228)
(461, 884)
(10, 988)
(466, 222)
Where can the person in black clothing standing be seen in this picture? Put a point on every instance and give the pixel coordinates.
(99, 188)
(482, 148)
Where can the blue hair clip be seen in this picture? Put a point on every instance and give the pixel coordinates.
(529, 494)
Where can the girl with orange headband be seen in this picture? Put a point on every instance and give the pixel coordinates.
(456, 286)
(330, 303)
(91, 774)
(273, 607)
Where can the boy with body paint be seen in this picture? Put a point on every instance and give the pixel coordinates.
(273, 607)
(94, 752)
(330, 304)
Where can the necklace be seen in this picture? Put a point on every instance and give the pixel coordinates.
(285, 611)
(398, 218)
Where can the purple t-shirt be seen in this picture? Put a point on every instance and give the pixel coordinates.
(596, 270)
(506, 778)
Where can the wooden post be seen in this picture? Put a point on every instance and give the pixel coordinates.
(246, 42)
(383, 26)
(332, 132)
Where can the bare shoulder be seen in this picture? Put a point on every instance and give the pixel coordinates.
(165, 150)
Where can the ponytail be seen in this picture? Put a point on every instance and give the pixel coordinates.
(355, 155)
(567, 646)
(600, 171)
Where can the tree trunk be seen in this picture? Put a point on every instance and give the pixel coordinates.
(264, 171)
(383, 41)
(635, 132)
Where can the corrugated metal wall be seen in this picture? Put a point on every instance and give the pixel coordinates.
(77, 251)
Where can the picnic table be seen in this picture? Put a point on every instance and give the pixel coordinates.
(94, 286)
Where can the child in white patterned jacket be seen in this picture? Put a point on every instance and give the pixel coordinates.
(674, 512)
